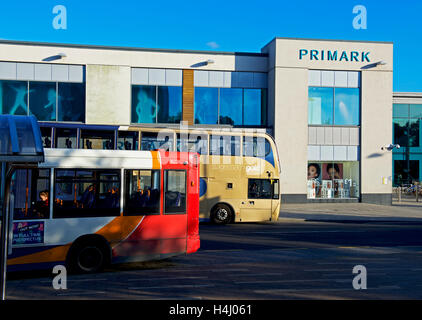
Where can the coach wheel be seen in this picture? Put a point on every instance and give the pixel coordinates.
(88, 258)
(221, 214)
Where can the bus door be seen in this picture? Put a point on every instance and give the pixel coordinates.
(175, 175)
(258, 204)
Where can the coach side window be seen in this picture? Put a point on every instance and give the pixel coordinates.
(80, 193)
(142, 192)
(31, 190)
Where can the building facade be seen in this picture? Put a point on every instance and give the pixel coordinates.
(407, 120)
(327, 103)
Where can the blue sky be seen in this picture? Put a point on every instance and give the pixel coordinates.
(222, 25)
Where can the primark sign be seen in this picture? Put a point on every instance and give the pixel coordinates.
(334, 55)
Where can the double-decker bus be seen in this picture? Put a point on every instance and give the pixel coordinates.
(89, 208)
(239, 171)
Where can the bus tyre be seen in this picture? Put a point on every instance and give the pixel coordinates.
(221, 214)
(88, 258)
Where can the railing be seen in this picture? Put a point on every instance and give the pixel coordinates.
(411, 192)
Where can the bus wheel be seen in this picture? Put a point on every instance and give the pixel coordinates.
(88, 258)
(221, 214)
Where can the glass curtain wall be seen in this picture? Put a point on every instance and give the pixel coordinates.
(407, 133)
(233, 106)
(156, 104)
(48, 101)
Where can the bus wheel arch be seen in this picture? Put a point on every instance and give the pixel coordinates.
(88, 254)
(222, 213)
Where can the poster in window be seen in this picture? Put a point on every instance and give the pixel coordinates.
(332, 171)
(28, 233)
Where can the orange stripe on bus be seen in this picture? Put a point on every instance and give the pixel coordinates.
(50, 255)
(156, 163)
(116, 230)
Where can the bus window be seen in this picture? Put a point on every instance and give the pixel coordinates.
(95, 139)
(31, 188)
(142, 195)
(175, 191)
(127, 140)
(46, 136)
(157, 140)
(196, 142)
(86, 193)
(225, 145)
(260, 189)
(258, 147)
(276, 189)
(66, 138)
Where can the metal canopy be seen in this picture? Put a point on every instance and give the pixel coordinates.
(20, 139)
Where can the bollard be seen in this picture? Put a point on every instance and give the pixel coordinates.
(399, 193)
(417, 192)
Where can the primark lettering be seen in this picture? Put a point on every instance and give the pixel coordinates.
(334, 55)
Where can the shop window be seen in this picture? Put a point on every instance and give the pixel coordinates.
(206, 105)
(14, 97)
(142, 192)
(157, 140)
(406, 172)
(406, 132)
(31, 190)
(330, 180)
(71, 102)
(86, 193)
(174, 191)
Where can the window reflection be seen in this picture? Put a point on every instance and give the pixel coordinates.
(144, 104)
(169, 104)
(231, 106)
(320, 106)
(253, 107)
(206, 105)
(71, 100)
(14, 97)
(154, 140)
(346, 111)
(42, 100)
